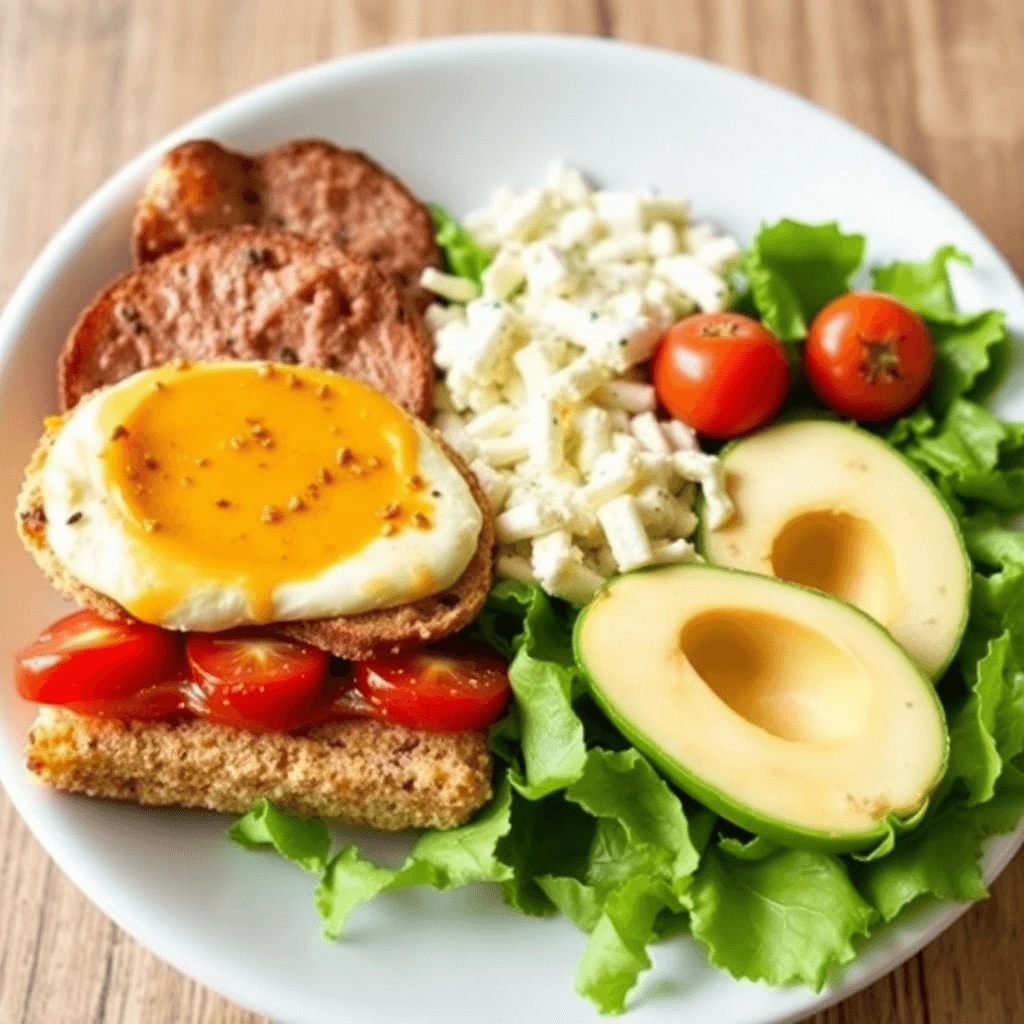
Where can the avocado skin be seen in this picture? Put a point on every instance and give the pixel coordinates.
(785, 834)
(700, 540)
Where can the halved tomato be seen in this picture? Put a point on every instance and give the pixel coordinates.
(447, 690)
(150, 704)
(85, 658)
(251, 680)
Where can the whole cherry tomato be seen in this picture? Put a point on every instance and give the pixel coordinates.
(250, 680)
(868, 356)
(85, 659)
(724, 374)
(450, 690)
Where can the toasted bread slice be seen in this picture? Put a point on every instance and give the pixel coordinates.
(253, 293)
(308, 185)
(356, 637)
(358, 771)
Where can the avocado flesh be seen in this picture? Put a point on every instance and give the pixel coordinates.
(792, 715)
(833, 507)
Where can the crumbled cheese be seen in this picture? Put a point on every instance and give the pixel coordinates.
(544, 389)
(448, 286)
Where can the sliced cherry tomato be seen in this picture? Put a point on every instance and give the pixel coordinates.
(868, 356)
(449, 690)
(86, 658)
(251, 680)
(723, 373)
(162, 700)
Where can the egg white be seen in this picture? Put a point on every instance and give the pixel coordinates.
(99, 549)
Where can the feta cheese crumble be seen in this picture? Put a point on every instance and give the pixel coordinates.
(544, 392)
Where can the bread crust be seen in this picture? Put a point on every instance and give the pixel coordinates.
(253, 293)
(361, 772)
(359, 637)
(309, 186)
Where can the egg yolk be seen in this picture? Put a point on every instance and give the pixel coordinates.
(250, 474)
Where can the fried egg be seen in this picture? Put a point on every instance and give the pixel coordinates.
(214, 495)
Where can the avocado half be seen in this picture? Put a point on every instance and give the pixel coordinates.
(832, 507)
(792, 715)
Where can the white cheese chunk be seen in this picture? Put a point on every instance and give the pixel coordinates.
(708, 472)
(495, 483)
(667, 552)
(718, 254)
(515, 567)
(647, 430)
(579, 226)
(628, 396)
(691, 277)
(503, 275)
(627, 538)
(593, 429)
(526, 519)
(662, 239)
(682, 436)
(497, 421)
(438, 316)
(504, 451)
(448, 286)
(558, 565)
(525, 216)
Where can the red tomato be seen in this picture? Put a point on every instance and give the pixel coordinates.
(162, 700)
(868, 356)
(86, 658)
(451, 690)
(723, 373)
(253, 681)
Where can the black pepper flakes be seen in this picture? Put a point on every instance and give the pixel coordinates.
(132, 317)
(256, 256)
(75, 517)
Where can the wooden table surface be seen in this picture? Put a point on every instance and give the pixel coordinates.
(84, 84)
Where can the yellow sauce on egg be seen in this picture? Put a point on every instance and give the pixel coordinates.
(256, 474)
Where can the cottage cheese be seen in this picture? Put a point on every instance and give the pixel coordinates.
(544, 392)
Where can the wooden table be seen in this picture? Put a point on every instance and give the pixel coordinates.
(84, 84)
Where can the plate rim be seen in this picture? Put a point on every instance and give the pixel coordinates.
(44, 270)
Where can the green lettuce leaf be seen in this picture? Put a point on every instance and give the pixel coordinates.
(783, 916)
(941, 859)
(971, 356)
(624, 788)
(971, 454)
(641, 856)
(463, 255)
(616, 952)
(305, 842)
(794, 269)
(444, 860)
(545, 680)
(925, 286)
(348, 882)
(971, 349)
(547, 838)
(974, 756)
(621, 885)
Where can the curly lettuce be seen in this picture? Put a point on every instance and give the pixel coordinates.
(582, 824)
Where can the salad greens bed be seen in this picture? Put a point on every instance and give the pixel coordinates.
(581, 823)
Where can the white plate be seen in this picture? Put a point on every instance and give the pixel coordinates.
(454, 118)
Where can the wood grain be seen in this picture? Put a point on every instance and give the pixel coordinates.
(85, 83)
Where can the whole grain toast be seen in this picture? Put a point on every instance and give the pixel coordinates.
(360, 771)
(356, 637)
(308, 185)
(253, 293)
